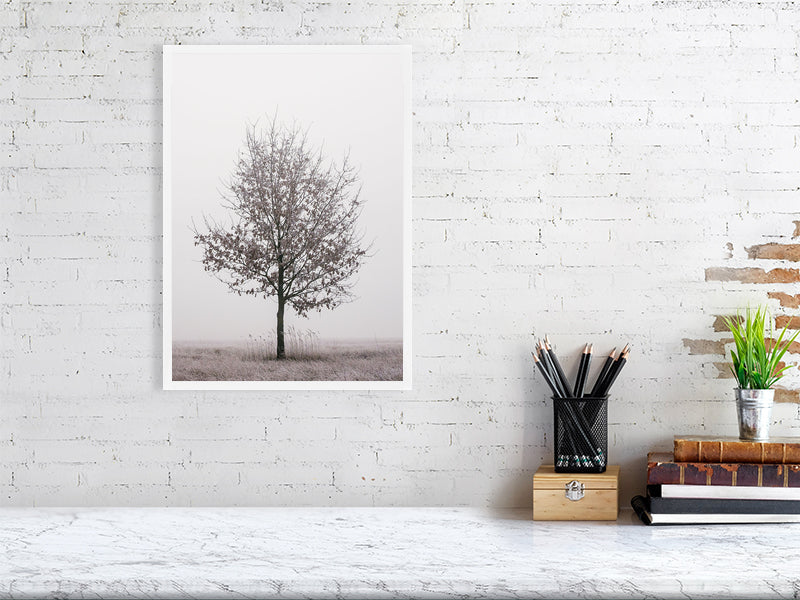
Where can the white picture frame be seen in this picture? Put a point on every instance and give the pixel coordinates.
(345, 100)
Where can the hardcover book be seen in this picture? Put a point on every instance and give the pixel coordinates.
(689, 448)
(721, 506)
(640, 505)
(662, 468)
(741, 492)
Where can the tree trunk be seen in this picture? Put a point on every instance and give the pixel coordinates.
(281, 350)
(281, 302)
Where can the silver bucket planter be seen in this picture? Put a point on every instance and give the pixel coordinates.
(754, 408)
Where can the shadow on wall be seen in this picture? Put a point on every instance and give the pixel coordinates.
(537, 424)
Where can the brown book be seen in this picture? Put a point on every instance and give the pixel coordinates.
(695, 448)
(663, 469)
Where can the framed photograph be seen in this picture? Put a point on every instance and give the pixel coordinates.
(287, 217)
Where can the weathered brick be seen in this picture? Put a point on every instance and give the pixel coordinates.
(723, 370)
(719, 321)
(787, 300)
(787, 321)
(705, 346)
(785, 395)
(793, 348)
(775, 251)
(752, 275)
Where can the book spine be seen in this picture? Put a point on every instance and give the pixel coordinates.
(718, 451)
(721, 506)
(730, 474)
(639, 505)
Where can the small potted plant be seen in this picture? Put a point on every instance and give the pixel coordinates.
(755, 367)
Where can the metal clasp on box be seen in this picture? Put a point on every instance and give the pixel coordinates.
(573, 490)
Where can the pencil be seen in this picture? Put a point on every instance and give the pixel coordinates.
(559, 370)
(613, 370)
(582, 431)
(614, 373)
(601, 376)
(583, 370)
(547, 359)
(545, 374)
(568, 452)
(577, 455)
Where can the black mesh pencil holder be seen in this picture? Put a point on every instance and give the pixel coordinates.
(581, 434)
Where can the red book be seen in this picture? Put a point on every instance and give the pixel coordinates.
(663, 469)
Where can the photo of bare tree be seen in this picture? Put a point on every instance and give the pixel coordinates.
(286, 258)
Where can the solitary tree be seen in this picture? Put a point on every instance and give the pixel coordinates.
(293, 233)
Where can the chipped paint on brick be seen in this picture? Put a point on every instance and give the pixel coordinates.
(788, 321)
(789, 252)
(784, 395)
(786, 300)
(705, 346)
(752, 275)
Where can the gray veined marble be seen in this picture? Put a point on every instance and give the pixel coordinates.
(383, 553)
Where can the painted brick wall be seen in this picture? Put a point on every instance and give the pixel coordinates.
(605, 172)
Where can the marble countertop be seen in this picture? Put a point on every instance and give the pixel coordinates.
(383, 553)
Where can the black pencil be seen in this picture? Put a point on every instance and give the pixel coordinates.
(604, 386)
(570, 449)
(545, 374)
(614, 373)
(577, 452)
(602, 375)
(582, 431)
(583, 370)
(559, 370)
(564, 460)
(547, 360)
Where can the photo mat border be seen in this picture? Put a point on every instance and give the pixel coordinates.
(169, 51)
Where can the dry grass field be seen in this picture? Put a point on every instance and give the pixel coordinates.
(315, 360)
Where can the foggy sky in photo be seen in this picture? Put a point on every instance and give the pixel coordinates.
(348, 101)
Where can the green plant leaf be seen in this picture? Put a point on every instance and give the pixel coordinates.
(753, 364)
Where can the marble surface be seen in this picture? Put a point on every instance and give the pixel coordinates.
(383, 553)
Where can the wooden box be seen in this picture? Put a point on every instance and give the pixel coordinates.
(575, 496)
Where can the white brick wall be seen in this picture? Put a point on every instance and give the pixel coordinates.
(577, 166)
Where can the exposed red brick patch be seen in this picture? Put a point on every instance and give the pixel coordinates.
(783, 395)
(786, 300)
(752, 275)
(705, 346)
(787, 321)
(775, 252)
(794, 347)
(719, 322)
(723, 370)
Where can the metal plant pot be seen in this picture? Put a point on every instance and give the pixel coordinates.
(754, 408)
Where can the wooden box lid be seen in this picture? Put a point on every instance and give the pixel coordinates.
(547, 479)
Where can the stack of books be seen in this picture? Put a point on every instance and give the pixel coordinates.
(722, 480)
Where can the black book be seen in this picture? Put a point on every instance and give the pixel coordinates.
(641, 505)
(710, 506)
